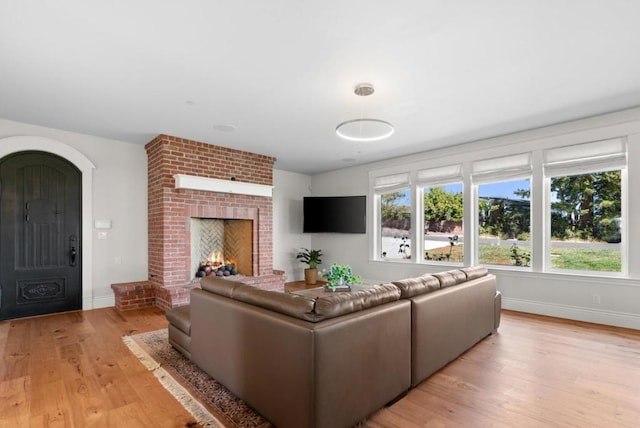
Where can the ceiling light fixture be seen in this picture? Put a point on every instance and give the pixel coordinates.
(364, 129)
(224, 128)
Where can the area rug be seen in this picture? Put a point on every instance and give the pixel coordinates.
(210, 403)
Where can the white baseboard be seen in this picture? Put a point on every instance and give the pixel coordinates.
(104, 302)
(618, 319)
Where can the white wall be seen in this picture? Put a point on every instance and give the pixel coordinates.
(289, 189)
(119, 195)
(561, 295)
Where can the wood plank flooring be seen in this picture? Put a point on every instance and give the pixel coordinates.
(536, 372)
(72, 370)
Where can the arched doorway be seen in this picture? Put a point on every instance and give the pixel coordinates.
(11, 145)
(40, 235)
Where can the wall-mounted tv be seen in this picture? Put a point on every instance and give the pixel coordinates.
(335, 214)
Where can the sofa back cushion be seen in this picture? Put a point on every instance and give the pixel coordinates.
(339, 303)
(414, 286)
(450, 278)
(223, 287)
(475, 272)
(285, 303)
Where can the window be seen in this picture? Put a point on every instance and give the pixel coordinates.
(504, 223)
(443, 213)
(585, 206)
(395, 225)
(443, 221)
(548, 209)
(504, 210)
(394, 202)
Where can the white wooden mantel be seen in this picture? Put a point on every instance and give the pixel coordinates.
(221, 186)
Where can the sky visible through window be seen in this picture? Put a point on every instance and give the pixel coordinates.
(503, 189)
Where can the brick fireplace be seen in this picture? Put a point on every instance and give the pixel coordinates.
(171, 212)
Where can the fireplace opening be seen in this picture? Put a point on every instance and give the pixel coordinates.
(222, 247)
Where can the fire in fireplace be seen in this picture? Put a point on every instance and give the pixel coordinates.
(217, 265)
(221, 247)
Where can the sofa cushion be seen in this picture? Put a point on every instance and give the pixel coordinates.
(180, 318)
(337, 304)
(223, 287)
(450, 278)
(414, 286)
(475, 272)
(285, 303)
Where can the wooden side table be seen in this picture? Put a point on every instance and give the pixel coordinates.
(301, 285)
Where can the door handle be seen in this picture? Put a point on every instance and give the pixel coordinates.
(72, 256)
(73, 253)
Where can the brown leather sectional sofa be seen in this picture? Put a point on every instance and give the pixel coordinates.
(331, 361)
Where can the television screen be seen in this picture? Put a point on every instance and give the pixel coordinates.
(334, 214)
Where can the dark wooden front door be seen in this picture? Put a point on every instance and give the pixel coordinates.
(40, 251)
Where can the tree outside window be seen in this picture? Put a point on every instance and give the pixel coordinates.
(443, 225)
(585, 221)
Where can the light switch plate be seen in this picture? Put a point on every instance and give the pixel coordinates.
(102, 224)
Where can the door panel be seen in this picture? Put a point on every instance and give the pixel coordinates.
(39, 235)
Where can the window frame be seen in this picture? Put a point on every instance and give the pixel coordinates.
(422, 237)
(377, 226)
(380, 184)
(624, 266)
(495, 170)
(476, 249)
(579, 159)
(540, 211)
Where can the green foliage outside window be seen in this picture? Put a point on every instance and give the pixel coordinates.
(587, 207)
(392, 208)
(440, 205)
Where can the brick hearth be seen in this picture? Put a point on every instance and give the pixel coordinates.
(170, 211)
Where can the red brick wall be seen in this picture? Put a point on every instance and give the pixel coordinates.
(133, 295)
(170, 209)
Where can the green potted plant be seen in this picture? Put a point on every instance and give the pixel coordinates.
(311, 258)
(339, 275)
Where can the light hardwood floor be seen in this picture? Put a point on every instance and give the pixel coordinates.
(535, 372)
(72, 370)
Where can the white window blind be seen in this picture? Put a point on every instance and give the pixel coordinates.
(392, 182)
(598, 156)
(501, 169)
(441, 175)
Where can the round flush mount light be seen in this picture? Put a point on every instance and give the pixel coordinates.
(364, 130)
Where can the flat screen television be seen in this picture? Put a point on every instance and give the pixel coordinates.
(334, 214)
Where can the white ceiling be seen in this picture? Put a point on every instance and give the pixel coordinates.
(283, 71)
